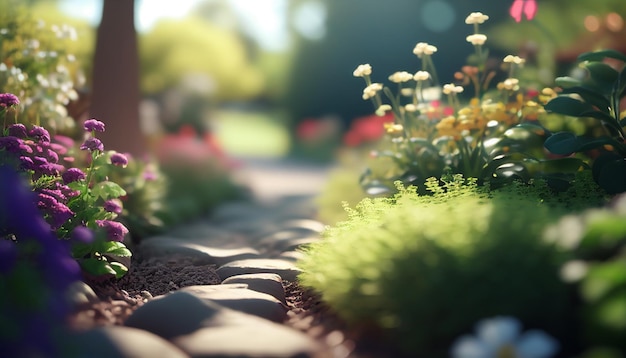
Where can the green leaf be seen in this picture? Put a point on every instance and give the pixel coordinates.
(562, 165)
(602, 279)
(107, 190)
(567, 82)
(114, 248)
(120, 269)
(97, 267)
(611, 175)
(606, 230)
(572, 107)
(621, 90)
(603, 75)
(601, 55)
(566, 143)
(590, 96)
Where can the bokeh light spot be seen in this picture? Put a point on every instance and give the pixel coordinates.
(438, 16)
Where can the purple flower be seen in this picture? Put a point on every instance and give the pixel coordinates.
(55, 193)
(18, 130)
(26, 163)
(149, 175)
(119, 160)
(92, 144)
(113, 206)
(115, 230)
(94, 125)
(14, 145)
(8, 100)
(82, 234)
(57, 213)
(40, 133)
(73, 174)
(53, 157)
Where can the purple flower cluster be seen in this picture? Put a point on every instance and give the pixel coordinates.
(93, 125)
(116, 231)
(119, 160)
(29, 247)
(8, 100)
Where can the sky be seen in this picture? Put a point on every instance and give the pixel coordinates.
(265, 17)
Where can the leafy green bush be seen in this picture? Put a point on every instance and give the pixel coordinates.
(424, 269)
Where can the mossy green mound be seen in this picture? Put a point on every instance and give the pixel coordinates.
(425, 269)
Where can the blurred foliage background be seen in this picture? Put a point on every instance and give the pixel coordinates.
(215, 63)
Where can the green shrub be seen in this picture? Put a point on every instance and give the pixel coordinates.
(424, 269)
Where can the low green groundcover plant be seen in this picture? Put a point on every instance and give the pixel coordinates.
(424, 268)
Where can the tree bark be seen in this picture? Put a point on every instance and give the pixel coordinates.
(115, 86)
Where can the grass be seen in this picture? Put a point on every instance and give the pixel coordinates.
(251, 133)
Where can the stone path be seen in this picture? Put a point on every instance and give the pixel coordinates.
(254, 246)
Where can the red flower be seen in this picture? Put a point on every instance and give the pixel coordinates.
(523, 7)
(366, 129)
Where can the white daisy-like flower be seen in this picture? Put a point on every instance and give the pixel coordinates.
(400, 76)
(371, 90)
(421, 76)
(451, 88)
(362, 70)
(514, 59)
(422, 48)
(476, 39)
(384, 108)
(410, 108)
(500, 337)
(476, 18)
(511, 84)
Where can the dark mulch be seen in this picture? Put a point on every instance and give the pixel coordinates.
(148, 278)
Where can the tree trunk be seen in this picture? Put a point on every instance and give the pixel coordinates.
(115, 87)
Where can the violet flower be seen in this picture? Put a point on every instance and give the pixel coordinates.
(8, 100)
(119, 160)
(39, 133)
(73, 174)
(56, 212)
(115, 230)
(94, 125)
(92, 144)
(18, 130)
(82, 234)
(14, 145)
(112, 206)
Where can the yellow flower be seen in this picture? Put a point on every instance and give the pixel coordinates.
(451, 88)
(371, 90)
(476, 39)
(363, 70)
(514, 59)
(394, 129)
(421, 76)
(446, 127)
(422, 48)
(476, 18)
(384, 108)
(400, 76)
(410, 107)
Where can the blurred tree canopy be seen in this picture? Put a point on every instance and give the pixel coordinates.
(175, 49)
(383, 34)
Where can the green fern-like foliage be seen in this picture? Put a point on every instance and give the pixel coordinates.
(424, 269)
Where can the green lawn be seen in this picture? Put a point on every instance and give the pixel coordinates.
(247, 133)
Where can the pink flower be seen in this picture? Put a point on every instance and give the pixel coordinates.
(523, 7)
(115, 230)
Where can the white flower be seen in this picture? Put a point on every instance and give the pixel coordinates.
(384, 108)
(410, 107)
(422, 48)
(371, 90)
(400, 76)
(476, 18)
(500, 337)
(476, 39)
(511, 84)
(421, 76)
(363, 70)
(451, 88)
(514, 59)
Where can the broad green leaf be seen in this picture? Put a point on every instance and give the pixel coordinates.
(590, 96)
(107, 190)
(114, 248)
(97, 267)
(566, 143)
(611, 176)
(567, 82)
(601, 55)
(603, 278)
(120, 269)
(562, 165)
(573, 107)
(602, 74)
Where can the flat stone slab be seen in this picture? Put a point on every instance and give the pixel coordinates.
(269, 283)
(122, 342)
(202, 328)
(205, 250)
(238, 297)
(285, 269)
